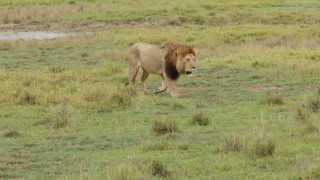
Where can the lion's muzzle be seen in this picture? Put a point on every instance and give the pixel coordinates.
(189, 73)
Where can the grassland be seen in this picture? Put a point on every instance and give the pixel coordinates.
(250, 112)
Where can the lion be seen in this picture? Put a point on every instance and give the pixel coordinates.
(169, 60)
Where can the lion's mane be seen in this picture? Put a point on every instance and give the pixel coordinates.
(174, 52)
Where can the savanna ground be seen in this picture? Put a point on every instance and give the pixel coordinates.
(250, 112)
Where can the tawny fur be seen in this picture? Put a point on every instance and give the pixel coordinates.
(169, 60)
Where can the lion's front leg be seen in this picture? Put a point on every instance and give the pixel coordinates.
(163, 87)
(171, 88)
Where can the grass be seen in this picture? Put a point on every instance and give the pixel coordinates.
(234, 142)
(66, 113)
(163, 127)
(200, 118)
(159, 169)
(271, 97)
(12, 133)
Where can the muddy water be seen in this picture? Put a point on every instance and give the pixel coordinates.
(39, 35)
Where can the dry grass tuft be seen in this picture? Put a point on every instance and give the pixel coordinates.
(124, 96)
(12, 133)
(59, 118)
(200, 118)
(159, 169)
(234, 142)
(303, 114)
(263, 146)
(127, 171)
(163, 127)
(272, 97)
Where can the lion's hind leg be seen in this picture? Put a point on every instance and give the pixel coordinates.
(161, 89)
(133, 74)
(144, 76)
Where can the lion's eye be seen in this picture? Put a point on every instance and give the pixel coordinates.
(188, 59)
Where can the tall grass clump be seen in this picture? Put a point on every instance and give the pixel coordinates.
(303, 113)
(314, 104)
(262, 146)
(164, 126)
(12, 133)
(233, 142)
(200, 118)
(310, 173)
(308, 112)
(124, 96)
(123, 171)
(59, 118)
(159, 169)
(271, 97)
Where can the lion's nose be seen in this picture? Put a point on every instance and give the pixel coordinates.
(194, 68)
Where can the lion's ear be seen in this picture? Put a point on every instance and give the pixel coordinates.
(195, 52)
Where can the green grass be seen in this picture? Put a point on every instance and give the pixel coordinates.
(65, 112)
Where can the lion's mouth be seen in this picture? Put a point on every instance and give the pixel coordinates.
(189, 73)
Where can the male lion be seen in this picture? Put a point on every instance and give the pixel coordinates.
(169, 60)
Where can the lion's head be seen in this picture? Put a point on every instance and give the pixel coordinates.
(179, 59)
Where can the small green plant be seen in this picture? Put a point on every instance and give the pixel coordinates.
(272, 97)
(12, 133)
(159, 169)
(163, 127)
(263, 146)
(200, 118)
(233, 142)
